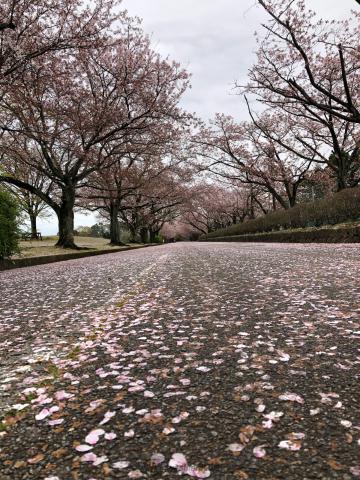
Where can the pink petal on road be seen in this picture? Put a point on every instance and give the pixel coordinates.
(53, 423)
(43, 414)
(120, 465)
(93, 436)
(100, 460)
(198, 472)
(62, 395)
(148, 394)
(355, 471)
(135, 474)
(157, 458)
(107, 417)
(83, 448)
(291, 397)
(290, 445)
(259, 451)
(89, 457)
(179, 462)
(235, 447)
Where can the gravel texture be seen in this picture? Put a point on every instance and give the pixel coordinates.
(210, 360)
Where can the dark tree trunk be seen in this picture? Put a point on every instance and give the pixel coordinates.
(132, 231)
(273, 203)
(252, 207)
(340, 182)
(33, 225)
(292, 200)
(144, 235)
(66, 219)
(153, 235)
(115, 231)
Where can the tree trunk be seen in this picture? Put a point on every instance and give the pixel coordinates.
(273, 202)
(132, 231)
(115, 225)
(144, 235)
(292, 199)
(153, 235)
(66, 218)
(340, 182)
(33, 225)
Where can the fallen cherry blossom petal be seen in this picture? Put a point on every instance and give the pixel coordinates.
(235, 447)
(120, 465)
(58, 421)
(291, 397)
(43, 414)
(290, 445)
(157, 458)
(93, 437)
(83, 448)
(135, 474)
(107, 417)
(259, 452)
(89, 457)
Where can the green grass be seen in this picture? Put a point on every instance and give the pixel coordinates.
(38, 248)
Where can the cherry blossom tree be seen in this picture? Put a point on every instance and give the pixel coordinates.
(32, 28)
(309, 62)
(320, 139)
(211, 206)
(144, 161)
(245, 153)
(155, 203)
(78, 111)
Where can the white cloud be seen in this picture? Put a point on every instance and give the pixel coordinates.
(214, 40)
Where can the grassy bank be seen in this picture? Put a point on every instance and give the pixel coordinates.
(38, 248)
(338, 211)
(41, 252)
(342, 233)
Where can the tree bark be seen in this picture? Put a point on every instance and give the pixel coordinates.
(115, 231)
(66, 218)
(144, 235)
(153, 235)
(132, 231)
(33, 225)
(341, 183)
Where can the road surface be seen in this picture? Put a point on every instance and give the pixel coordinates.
(209, 360)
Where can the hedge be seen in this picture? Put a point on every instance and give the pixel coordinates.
(314, 235)
(340, 207)
(8, 225)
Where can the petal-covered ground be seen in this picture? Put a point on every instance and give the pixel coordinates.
(220, 361)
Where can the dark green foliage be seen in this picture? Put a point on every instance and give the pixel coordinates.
(314, 235)
(158, 239)
(9, 231)
(99, 230)
(340, 207)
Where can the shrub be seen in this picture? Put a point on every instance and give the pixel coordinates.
(341, 207)
(158, 239)
(9, 232)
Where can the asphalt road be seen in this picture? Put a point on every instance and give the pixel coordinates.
(210, 360)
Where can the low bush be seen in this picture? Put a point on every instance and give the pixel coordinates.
(314, 235)
(341, 207)
(9, 232)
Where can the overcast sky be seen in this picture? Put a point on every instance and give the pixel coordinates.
(214, 40)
